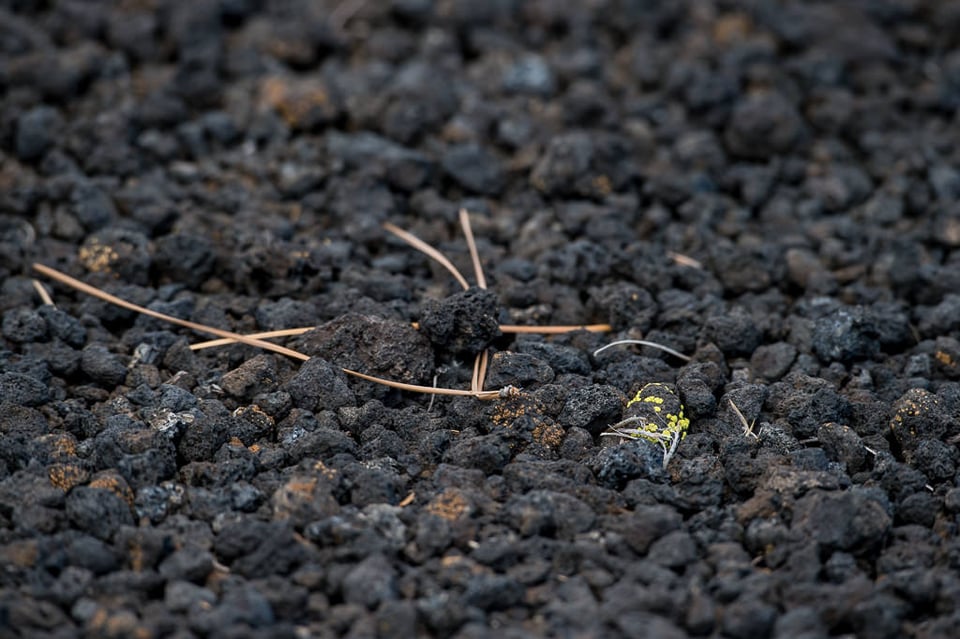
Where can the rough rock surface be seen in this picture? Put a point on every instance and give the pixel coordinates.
(771, 188)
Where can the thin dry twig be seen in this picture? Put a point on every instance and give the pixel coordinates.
(643, 342)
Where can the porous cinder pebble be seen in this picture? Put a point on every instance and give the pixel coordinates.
(24, 325)
(855, 520)
(285, 313)
(303, 499)
(184, 258)
(474, 168)
(917, 415)
(841, 443)
(592, 408)
(93, 208)
(768, 188)
(370, 345)
(403, 167)
(240, 605)
(370, 582)
(319, 386)
(645, 524)
(520, 370)
(770, 362)
(23, 390)
(465, 322)
(181, 596)
(188, 564)
(548, 513)
(63, 326)
(615, 465)
(492, 592)
(627, 306)
(206, 433)
(761, 125)
(98, 511)
(569, 165)
(529, 75)
(102, 366)
(845, 336)
(806, 403)
(90, 553)
(37, 131)
(735, 333)
(256, 375)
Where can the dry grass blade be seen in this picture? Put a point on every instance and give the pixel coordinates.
(472, 246)
(747, 427)
(643, 342)
(429, 251)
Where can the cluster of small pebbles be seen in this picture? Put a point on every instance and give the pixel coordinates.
(770, 188)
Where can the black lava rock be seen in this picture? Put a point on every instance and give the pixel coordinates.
(98, 511)
(762, 125)
(365, 344)
(37, 131)
(320, 386)
(593, 408)
(919, 415)
(845, 336)
(23, 390)
(769, 188)
(465, 322)
(474, 168)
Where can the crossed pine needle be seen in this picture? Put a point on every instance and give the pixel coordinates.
(258, 340)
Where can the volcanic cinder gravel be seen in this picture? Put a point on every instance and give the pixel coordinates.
(770, 187)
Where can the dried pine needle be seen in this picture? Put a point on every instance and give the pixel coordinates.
(42, 292)
(554, 330)
(428, 250)
(250, 341)
(472, 247)
(116, 301)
